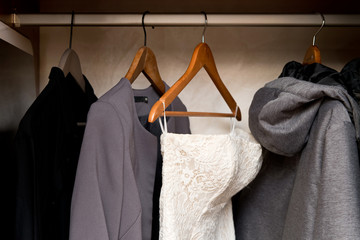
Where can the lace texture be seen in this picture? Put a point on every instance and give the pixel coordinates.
(200, 175)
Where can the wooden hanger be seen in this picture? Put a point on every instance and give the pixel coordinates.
(70, 62)
(313, 53)
(201, 58)
(145, 62)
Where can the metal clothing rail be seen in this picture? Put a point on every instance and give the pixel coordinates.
(214, 20)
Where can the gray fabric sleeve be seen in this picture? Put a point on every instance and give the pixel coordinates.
(326, 195)
(98, 192)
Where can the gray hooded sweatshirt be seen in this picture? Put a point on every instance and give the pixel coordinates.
(309, 186)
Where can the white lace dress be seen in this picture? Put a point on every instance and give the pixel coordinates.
(200, 175)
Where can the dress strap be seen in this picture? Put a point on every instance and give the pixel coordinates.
(163, 127)
(234, 120)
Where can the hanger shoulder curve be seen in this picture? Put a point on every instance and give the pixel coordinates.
(312, 55)
(70, 63)
(64, 58)
(151, 71)
(145, 62)
(202, 57)
(137, 65)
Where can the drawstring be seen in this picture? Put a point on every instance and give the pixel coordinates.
(163, 127)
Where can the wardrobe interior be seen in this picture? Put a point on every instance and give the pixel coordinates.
(246, 57)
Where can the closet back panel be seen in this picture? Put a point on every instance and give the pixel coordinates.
(246, 58)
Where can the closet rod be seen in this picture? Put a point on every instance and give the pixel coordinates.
(220, 20)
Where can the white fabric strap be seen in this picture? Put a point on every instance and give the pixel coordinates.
(163, 127)
(234, 119)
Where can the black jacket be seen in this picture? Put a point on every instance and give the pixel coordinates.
(351, 75)
(47, 145)
(348, 77)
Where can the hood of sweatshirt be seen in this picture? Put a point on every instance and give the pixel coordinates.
(282, 112)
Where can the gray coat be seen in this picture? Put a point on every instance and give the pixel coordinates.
(309, 187)
(113, 192)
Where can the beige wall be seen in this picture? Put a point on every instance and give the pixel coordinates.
(17, 87)
(246, 57)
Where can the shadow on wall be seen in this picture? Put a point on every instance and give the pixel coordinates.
(17, 92)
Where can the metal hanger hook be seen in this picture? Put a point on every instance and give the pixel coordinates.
(203, 34)
(143, 25)
(71, 28)
(322, 25)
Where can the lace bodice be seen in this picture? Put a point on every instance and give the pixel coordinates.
(200, 175)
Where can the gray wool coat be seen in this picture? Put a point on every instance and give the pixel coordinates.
(113, 192)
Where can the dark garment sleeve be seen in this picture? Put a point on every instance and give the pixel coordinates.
(25, 220)
(182, 124)
(97, 203)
